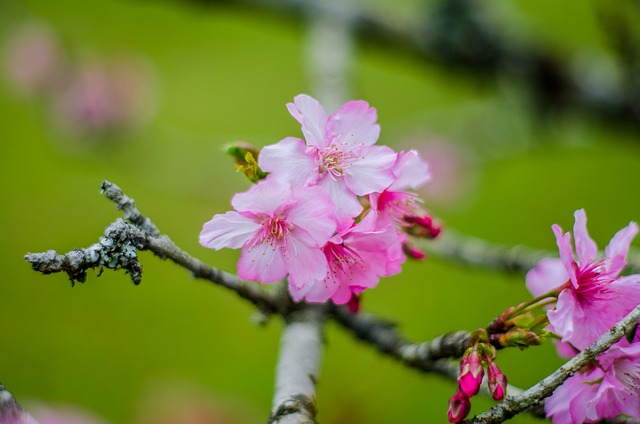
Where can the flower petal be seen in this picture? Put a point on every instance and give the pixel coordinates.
(566, 253)
(230, 230)
(586, 248)
(311, 115)
(261, 262)
(354, 124)
(346, 203)
(548, 274)
(269, 196)
(306, 264)
(411, 172)
(372, 173)
(313, 212)
(618, 247)
(290, 161)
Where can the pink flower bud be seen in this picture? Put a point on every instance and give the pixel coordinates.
(413, 252)
(422, 226)
(497, 381)
(354, 304)
(459, 407)
(471, 373)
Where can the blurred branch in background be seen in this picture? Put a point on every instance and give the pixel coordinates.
(457, 35)
(473, 251)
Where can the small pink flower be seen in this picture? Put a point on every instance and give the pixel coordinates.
(279, 230)
(592, 296)
(339, 154)
(357, 257)
(600, 392)
(459, 407)
(471, 373)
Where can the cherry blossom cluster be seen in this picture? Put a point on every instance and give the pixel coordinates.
(332, 212)
(590, 297)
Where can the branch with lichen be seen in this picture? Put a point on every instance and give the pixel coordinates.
(298, 367)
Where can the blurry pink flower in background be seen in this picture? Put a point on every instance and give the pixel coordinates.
(102, 97)
(451, 168)
(95, 98)
(34, 59)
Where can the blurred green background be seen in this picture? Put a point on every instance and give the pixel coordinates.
(215, 75)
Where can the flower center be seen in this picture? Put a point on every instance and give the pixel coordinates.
(334, 160)
(593, 283)
(343, 263)
(274, 231)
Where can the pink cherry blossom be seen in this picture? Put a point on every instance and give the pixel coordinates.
(279, 230)
(602, 391)
(592, 297)
(357, 257)
(338, 154)
(396, 202)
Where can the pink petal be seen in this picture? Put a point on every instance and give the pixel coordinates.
(310, 113)
(566, 312)
(290, 161)
(316, 292)
(306, 264)
(373, 172)
(411, 172)
(346, 203)
(313, 211)
(268, 197)
(230, 230)
(548, 274)
(354, 124)
(261, 262)
(586, 248)
(618, 247)
(342, 295)
(567, 404)
(566, 253)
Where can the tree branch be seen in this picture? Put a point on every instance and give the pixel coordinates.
(513, 405)
(298, 367)
(145, 236)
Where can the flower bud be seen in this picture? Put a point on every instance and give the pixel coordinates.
(245, 156)
(413, 252)
(471, 373)
(459, 407)
(497, 381)
(422, 226)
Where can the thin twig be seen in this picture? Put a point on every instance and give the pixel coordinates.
(298, 367)
(513, 405)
